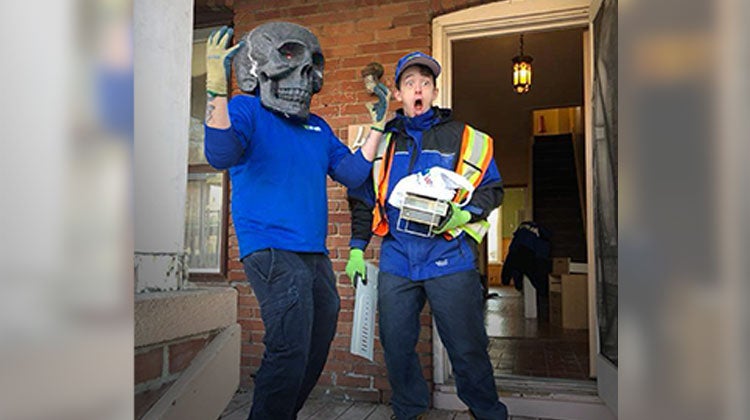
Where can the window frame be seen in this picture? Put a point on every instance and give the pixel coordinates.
(221, 275)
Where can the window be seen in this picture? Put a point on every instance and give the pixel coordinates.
(206, 212)
(204, 224)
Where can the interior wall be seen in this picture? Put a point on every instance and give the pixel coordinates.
(483, 94)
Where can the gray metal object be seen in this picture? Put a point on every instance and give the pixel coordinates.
(286, 62)
(420, 214)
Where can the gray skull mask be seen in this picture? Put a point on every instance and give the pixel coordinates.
(285, 59)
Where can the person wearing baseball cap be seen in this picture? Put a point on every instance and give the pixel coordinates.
(417, 57)
(438, 266)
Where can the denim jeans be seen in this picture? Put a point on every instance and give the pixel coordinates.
(457, 304)
(299, 305)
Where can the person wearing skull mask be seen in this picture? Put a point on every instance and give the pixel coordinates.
(439, 267)
(279, 156)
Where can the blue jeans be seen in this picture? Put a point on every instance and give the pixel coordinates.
(299, 305)
(457, 304)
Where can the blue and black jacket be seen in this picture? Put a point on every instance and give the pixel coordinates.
(431, 139)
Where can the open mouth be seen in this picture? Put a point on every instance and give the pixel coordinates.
(418, 105)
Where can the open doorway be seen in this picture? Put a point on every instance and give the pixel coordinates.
(547, 397)
(538, 149)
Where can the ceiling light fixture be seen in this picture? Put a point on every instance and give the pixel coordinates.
(522, 70)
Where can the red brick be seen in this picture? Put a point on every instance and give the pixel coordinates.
(371, 369)
(377, 47)
(377, 22)
(420, 30)
(406, 20)
(268, 14)
(414, 43)
(353, 381)
(244, 312)
(381, 383)
(256, 337)
(148, 365)
(339, 50)
(301, 10)
(236, 276)
(346, 316)
(333, 365)
(341, 342)
(392, 34)
(339, 28)
(181, 354)
(326, 379)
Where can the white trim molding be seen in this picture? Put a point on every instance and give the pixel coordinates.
(504, 17)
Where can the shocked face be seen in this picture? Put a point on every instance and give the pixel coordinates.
(416, 91)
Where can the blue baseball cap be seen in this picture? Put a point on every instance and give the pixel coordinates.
(417, 57)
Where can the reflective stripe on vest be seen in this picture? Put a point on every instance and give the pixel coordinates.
(475, 157)
(476, 154)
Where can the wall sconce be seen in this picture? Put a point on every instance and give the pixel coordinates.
(522, 70)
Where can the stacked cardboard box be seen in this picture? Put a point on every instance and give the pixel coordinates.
(574, 294)
(560, 266)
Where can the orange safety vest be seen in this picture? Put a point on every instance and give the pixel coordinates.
(476, 154)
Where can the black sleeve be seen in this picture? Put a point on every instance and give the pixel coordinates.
(485, 199)
(361, 223)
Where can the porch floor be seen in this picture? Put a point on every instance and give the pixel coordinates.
(326, 409)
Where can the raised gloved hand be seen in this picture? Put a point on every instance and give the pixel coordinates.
(456, 217)
(218, 60)
(378, 110)
(356, 264)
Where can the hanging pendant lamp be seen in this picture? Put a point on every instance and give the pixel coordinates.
(522, 70)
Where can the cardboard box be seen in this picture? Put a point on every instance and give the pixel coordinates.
(555, 284)
(560, 266)
(574, 291)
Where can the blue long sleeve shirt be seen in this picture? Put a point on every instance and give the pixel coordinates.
(278, 167)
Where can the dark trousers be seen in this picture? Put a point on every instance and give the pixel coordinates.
(299, 305)
(457, 304)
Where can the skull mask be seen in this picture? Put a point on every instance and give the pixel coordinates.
(285, 59)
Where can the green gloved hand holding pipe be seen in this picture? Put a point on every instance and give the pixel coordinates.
(355, 265)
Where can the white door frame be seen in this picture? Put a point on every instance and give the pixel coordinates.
(506, 18)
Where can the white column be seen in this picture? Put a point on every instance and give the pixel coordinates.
(163, 46)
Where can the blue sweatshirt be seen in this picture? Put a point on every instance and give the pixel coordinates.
(278, 169)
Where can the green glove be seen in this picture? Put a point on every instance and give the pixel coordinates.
(356, 264)
(218, 59)
(378, 110)
(456, 218)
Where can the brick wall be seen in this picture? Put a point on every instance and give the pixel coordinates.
(352, 33)
(158, 366)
